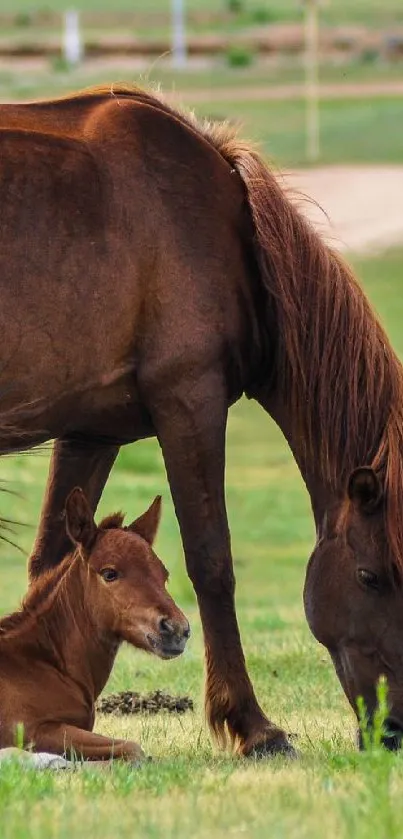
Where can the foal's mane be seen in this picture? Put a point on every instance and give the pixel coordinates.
(38, 600)
(335, 369)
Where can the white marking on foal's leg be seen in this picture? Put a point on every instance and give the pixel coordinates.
(39, 760)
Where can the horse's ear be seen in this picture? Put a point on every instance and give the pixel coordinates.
(365, 489)
(80, 524)
(146, 525)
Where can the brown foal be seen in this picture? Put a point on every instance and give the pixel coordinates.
(57, 651)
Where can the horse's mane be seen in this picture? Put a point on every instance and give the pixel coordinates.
(335, 369)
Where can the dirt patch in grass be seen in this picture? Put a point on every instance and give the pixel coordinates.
(129, 702)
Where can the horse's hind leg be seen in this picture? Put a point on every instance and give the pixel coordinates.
(190, 421)
(75, 462)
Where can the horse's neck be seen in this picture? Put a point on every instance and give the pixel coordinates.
(323, 496)
(68, 628)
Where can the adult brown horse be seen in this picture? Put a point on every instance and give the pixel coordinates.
(58, 650)
(153, 270)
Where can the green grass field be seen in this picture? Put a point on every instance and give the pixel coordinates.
(334, 11)
(357, 130)
(190, 790)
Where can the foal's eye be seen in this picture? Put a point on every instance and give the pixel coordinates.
(368, 579)
(109, 574)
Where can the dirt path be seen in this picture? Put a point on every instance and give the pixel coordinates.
(363, 204)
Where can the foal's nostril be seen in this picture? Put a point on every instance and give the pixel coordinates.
(166, 627)
(169, 629)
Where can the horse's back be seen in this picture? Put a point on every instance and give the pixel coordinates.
(67, 257)
(122, 237)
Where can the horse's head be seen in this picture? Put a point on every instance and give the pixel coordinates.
(126, 580)
(353, 599)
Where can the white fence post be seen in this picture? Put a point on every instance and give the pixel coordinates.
(72, 46)
(312, 80)
(178, 34)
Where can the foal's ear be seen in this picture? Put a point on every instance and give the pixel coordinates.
(365, 489)
(146, 525)
(80, 524)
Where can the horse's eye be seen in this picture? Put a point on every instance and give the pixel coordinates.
(368, 579)
(109, 574)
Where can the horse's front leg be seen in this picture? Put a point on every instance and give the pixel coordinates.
(190, 421)
(75, 462)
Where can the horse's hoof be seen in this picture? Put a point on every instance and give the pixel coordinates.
(268, 745)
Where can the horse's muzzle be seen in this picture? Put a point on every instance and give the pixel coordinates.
(171, 640)
(394, 735)
(392, 739)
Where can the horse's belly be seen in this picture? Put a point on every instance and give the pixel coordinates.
(106, 405)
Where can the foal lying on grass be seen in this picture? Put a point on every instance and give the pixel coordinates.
(57, 652)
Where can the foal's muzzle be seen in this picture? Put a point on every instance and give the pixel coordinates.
(170, 640)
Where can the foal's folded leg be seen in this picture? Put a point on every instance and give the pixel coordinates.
(76, 742)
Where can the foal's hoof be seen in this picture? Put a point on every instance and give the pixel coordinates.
(268, 744)
(141, 760)
(135, 754)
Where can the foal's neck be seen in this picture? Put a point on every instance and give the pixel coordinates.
(67, 629)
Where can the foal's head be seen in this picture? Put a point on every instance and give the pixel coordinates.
(126, 588)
